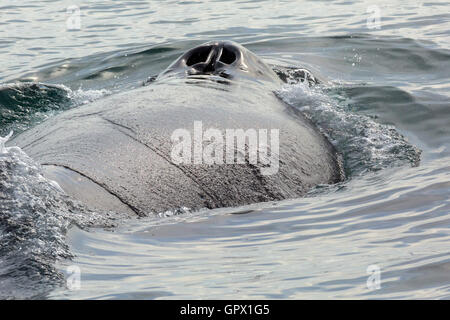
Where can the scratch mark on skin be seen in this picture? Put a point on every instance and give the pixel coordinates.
(39, 139)
(162, 155)
(134, 209)
(118, 124)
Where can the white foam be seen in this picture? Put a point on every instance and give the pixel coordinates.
(365, 143)
(81, 96)
(3, 140)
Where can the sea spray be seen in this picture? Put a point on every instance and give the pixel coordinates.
(366, 145)
(35, 215)
(3, 141)
(24, 104)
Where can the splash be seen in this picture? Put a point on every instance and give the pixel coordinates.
(25, 104)
(3, 141)
(366, 145)
(80, 96)
(35, 216)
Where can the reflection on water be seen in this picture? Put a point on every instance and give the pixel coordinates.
(38, 34)
(396, 219)
(317, 247)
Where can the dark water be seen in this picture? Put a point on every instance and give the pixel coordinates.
(383, 101)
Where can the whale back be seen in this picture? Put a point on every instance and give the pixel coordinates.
(116, 153)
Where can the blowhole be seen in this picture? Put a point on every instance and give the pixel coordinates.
(228, 56)
(199, 55)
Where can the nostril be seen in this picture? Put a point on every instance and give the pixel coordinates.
(199, 55)
(227, 56)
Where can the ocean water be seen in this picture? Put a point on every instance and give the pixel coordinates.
(383, 101)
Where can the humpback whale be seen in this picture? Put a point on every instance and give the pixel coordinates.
(119, 153)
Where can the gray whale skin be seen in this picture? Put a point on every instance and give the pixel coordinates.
(116, 153)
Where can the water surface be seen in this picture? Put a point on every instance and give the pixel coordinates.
(384, 103)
